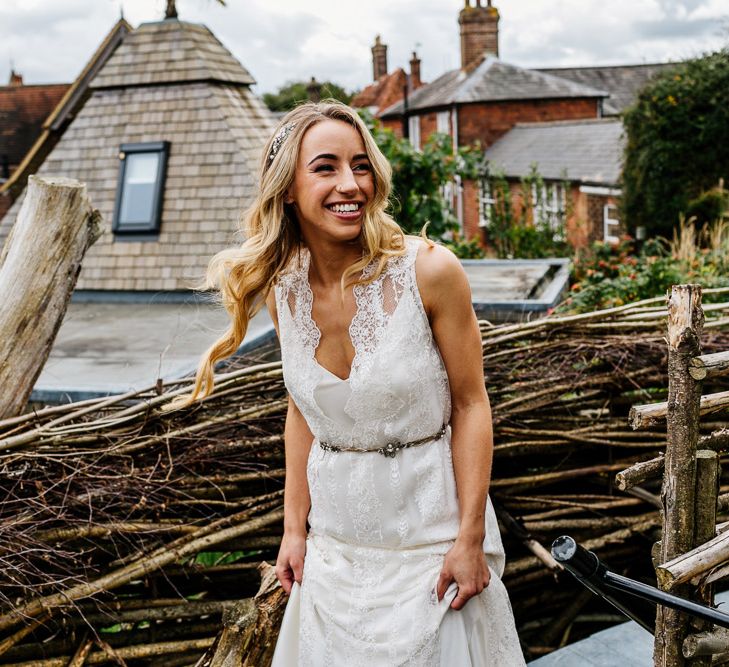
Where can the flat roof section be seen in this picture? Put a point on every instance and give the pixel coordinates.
(112, 348)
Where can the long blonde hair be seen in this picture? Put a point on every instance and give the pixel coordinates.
(244, 275)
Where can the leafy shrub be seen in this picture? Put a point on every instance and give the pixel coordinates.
(677, 142)
(606, 276)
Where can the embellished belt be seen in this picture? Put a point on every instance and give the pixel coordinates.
(390, 449)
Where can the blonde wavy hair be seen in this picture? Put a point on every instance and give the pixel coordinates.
(243, 276)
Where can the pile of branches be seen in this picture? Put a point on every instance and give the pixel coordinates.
(126, 534)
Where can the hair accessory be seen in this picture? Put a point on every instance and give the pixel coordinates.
(280, 138)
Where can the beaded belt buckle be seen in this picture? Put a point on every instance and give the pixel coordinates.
(390, 449)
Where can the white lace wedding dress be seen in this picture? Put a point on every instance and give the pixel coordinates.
(380, 526)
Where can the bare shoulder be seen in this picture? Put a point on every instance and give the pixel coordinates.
(440, 275)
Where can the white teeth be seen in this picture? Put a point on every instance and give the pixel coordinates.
(345, 208)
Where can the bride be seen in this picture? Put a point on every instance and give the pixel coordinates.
(391, 553)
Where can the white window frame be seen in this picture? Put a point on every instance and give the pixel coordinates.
(486, 203)
(414, 131)
(442, 122)
(610, 222)
(550, 205)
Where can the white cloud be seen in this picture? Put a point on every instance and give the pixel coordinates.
(282, 40)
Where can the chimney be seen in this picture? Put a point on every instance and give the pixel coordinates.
(479, 33)
(415, 81)
(313, 90)
(15, 78)
(171, 11)
(379, 58)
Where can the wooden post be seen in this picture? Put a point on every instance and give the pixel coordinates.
(707, 491)
(39, 265)
(685, 322)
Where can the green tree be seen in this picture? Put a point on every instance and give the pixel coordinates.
(420, 184)
(677, 146)
(295, 92)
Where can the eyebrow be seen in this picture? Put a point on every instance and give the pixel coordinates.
(331, 156)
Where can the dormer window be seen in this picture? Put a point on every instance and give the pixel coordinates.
(139, 193)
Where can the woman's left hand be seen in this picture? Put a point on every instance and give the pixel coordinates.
(465, 564)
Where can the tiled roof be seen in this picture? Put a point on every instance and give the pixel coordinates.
(492, 81)
(586, 151)
(383, 93)
(23, 109)
(216, 133)
(623, 82)
(171, 51)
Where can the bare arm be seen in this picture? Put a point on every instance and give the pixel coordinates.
(297, 444)
(447, 299)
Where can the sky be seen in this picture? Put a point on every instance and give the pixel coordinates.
(49, 41)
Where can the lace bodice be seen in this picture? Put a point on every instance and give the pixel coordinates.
(397, 388)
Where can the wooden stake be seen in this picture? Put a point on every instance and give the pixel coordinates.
(685, 322)
(707, 490)
(39, 265)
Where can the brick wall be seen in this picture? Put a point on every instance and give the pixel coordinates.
(394, 124)
(428, 126)
(488, 121)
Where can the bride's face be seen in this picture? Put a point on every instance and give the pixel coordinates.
(333, 182)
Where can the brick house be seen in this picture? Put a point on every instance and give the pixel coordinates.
(23, 110)
(579, 163)
(388, 88)
(168, 144)
(485, 99)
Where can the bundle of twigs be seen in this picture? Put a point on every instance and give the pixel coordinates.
(126, 533)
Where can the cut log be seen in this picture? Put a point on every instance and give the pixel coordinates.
(639, 473)
(717, 440)
(39, 265)
(706, 643)
(644, 416)
(691, 564)
(709, 365)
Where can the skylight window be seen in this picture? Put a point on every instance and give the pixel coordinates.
(139, 194)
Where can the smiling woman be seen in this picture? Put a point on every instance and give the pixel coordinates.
(391, 553)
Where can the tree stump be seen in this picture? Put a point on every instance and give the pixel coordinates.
(39, 265)
(250, 629)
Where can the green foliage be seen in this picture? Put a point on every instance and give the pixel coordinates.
(465, 248)
(708, 206)
(677, 142)
(294, 92)
(607, 276)
(420, 180)
(211, 558)
(525, 232)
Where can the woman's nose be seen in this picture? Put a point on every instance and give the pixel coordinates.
(347, 183)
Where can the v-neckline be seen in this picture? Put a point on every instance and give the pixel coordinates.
(310, 315)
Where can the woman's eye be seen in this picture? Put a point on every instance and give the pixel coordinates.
(324, 167)
(362, 167)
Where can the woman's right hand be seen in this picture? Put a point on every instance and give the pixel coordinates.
(290, 561)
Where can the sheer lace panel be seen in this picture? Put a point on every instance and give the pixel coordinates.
(390, 335)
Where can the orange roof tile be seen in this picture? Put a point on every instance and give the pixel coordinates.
(384, 92)
(22, 112)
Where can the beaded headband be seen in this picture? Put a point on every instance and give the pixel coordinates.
(280, 138)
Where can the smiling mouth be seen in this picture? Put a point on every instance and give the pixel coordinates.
(354, 207)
